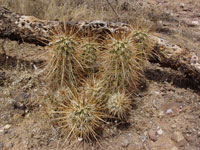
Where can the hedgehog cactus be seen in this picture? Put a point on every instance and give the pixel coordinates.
(143, 43)
(122, 62)
(80, 116)
(119, 105)
(64, 67)
(88, 51)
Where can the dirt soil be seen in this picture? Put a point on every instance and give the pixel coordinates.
(165, 115)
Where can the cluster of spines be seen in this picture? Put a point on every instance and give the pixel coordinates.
(98, 76)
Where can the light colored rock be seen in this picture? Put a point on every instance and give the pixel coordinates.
(174, 148)
(160, 132)
(161, 113)
(198, 133)
(178, 138)
(182, 5)
(169, 111)
(80, 139)
(197, 67)
(195, 23)
(1, 130)
(125, 143)
(6, 127)
(129, 141)
(160, 23)
(173, 126)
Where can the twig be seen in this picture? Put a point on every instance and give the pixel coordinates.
(113, 10)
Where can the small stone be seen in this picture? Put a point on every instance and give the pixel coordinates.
(160, 132)
(174, 148)
(173, 126)
(169, 111)
(80, 139)
(125, 143)
(6, 127)
(160, 23)
(1, 130)
(161, 113)
(182, 5)
(179, 138)
(198, 133)
(152, 135)
(195, 23)
(197, 66)
(189, 138)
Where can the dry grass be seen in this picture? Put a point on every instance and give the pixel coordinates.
(76, 10)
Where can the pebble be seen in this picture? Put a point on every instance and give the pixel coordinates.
(160, 23)
(80, 139)
(169, 111)
(182, 5)
(160, 132)
(125, 143)
(178, 138)
(198, 133)
(6, 127)
(1, 130)
(173, 126)
(152, 135)
(174, 148)
(161, 113)
(189, 138)
(194, 23)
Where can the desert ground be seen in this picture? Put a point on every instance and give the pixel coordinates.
(166, 110)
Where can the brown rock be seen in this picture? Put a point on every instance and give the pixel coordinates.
(125, 143)
(178, 138)
(152, 135)
(190, 138)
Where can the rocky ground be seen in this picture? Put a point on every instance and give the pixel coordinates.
(165, 115)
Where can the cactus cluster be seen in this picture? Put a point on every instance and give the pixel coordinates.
(94, 79)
